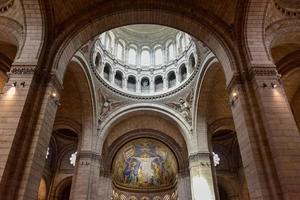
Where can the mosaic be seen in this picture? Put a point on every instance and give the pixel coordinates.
(145, 163)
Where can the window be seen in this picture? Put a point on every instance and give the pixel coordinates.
(159, 83)
(108, 43)
(183, 72)
(131, 83)
(132, 56)
(73, 159)
(171, 79)
(107, 72)
(158, 56)
(145, 84)
(171, 52)
(119, 79)
(145, 58)
(120, 51)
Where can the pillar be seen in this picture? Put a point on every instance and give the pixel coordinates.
(28, 114)
(202, 186)
(267, 134)
(85, 183)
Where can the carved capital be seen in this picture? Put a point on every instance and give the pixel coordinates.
(201, 159)
(88, 155)
(263, 71)
(235, 82)
(22, 70)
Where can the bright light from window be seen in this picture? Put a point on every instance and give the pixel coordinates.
(216, 159)
(158, 57)
(47, 154)
(132, 56)
(11, 91)
(145, 58)
(73, 158)
(201, 189)
(120, 50)
(171, 52)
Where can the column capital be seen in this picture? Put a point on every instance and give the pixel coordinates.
(200, 158)
(263, 71)
(53, 80)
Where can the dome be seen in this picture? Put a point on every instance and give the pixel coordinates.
(144, 164)
(144, 60)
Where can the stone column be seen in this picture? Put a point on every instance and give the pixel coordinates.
(281, 131)
(105, 183)
(184, 185)
(85, 183)
(267, 134)
(29, 133)
(201, 176)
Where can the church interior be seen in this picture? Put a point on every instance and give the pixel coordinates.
(149, 100)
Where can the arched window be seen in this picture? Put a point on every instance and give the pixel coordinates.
(131, 83)
(158, 57)
(132, 56)
(171, 52)
(119, 79)
(120, 51)
(171, 79)
(183, 72)
(108, 43)
(192, 63)
(98, 60)
(159, 83)
(145, 84)
(182, 44)
(107, 72)
(145, 58)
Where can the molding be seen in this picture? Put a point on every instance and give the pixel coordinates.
(19, 70)
(88, 155)
(264, 70)
(201, 158)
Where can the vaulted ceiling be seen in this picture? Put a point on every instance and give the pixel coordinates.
(64, 12)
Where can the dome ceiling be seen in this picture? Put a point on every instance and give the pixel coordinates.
(145, 164)
(144, 60)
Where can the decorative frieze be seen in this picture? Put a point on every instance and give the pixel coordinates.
(18, 70)
(263, 71)
(203, 159)
(88, 155)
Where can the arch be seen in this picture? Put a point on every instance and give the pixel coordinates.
(145, 57)
(119, 77)
(80, 68)
(130, 110)
(65, 183)
(158, 83)
(254, 31)
(158, 56)
(131, 83)
(12, 32)
(132, 56)
(220, 44)
(98, 60)
(171, 77)
(182, 72)
(192, 63)
(145, 85)
(107, 72)
(34, 40)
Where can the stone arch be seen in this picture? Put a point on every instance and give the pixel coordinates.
(254, 31)
(145, 108)
(78, 66)
(280, 33)
(201, 101)
(213, 40)
(12, 31)
(62, 185)
(34, 31)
